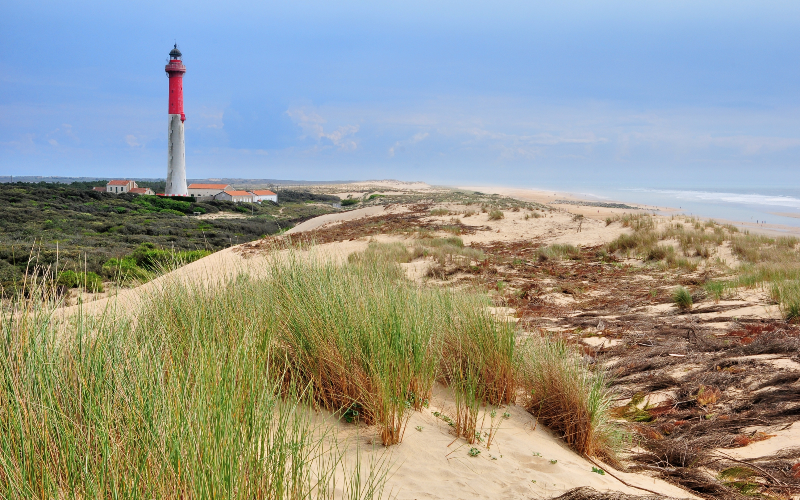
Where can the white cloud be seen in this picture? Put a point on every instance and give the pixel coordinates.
(53, 142)
(311, 124)
(130, 139)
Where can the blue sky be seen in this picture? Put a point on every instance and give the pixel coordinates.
(558, 94)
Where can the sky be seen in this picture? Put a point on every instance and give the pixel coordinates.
(678, 94)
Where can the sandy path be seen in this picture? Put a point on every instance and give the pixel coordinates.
(322, 220)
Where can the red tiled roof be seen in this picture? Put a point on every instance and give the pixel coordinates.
(139, 190)
(238, 193)
(102, 189)
(221, 187)
(263, 192)
(118, 183)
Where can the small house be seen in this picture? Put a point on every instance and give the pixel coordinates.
(235, 196)
(138, 190)
(260, 195)
(207, 191)
(120, 186)
(99, 189)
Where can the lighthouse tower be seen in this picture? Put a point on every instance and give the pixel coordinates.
(176, 161)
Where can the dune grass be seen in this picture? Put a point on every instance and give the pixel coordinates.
(179, 404)
(558, 252)
(682, 298)
(566, 396)
(207, 391)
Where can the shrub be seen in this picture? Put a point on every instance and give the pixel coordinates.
(171, 212)
(92, 282)
(89, 281)
(682, 298)
(439, 212)
(496, 215)
(68, 279)
(349, 201)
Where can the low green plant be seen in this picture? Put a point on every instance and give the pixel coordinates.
(787, 295)
(496, 215)
(682, 298)
(474, 452)
(347, 202)
(558, 251)
(716, 289)
(90, 281)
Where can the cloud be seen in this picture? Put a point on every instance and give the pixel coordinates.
(418, 137)
(311, 124)
(130, 139)
(53, 142)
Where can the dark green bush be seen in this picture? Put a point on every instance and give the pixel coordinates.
(92, 282)
(349, 201)
(68, 279)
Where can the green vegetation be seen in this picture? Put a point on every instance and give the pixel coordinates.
(496, 215)
(208, 388)
(43, 224)
(347, 202)
(682, 298)
(90, 281)
(147, 261)
(182, 402)
(565, 396)
(558, 252)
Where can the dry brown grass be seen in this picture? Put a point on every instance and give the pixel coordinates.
(566, 396)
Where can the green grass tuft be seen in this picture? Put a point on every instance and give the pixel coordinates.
(682, 298)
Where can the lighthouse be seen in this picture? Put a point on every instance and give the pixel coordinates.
(176, 159)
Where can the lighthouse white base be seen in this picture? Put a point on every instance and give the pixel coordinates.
(176, 159)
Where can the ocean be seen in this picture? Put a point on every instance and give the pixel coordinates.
(770, 206)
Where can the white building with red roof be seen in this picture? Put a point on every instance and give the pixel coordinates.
(260, 195)
(236, 196)
(120, 186)
(207, 190)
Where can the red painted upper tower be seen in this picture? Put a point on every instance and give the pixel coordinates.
(175, 69)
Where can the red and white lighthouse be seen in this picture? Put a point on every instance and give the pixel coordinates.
(176, 160)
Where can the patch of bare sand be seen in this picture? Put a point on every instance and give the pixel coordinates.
(548, 197)
(786, 437)
(553, 228)
(335, 218)
(524, 460)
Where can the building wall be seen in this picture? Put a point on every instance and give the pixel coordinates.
(120, 189)
(205, 192)
(236, 199)
(266, 197)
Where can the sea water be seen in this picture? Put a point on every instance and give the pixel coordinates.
(757, 205)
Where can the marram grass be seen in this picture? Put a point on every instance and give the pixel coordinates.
(209, 391)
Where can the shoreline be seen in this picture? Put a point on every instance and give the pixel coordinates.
(547, 197)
